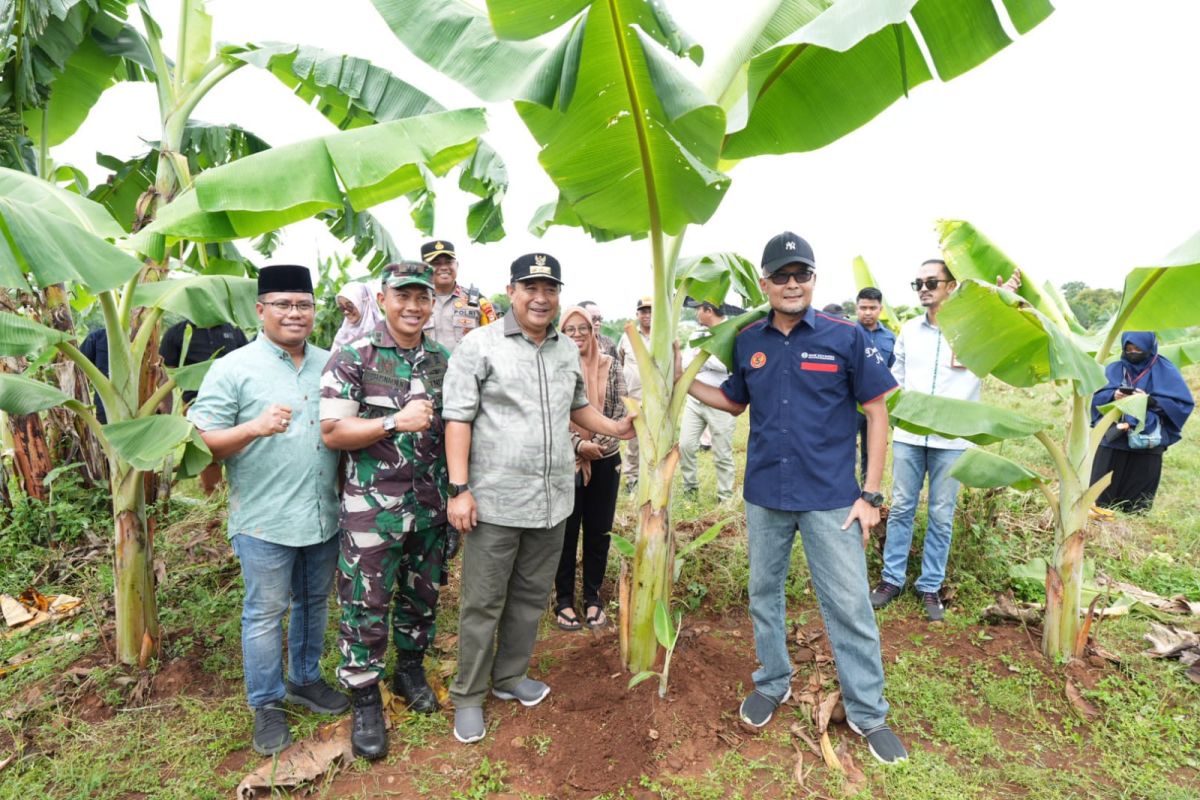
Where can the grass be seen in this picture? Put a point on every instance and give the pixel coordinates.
(979, 726)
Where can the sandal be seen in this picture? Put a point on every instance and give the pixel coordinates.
(595, 616)
(567, 623)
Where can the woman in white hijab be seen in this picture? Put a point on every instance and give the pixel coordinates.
(362, 313)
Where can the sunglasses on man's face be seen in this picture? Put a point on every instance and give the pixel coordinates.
(928, 283)
(782, 278)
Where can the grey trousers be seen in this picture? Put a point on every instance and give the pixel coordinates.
(507, 575)
(696, 416)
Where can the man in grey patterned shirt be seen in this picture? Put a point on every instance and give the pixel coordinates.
(510, 392)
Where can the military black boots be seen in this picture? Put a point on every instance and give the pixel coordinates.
(410, 685)
(368, 736)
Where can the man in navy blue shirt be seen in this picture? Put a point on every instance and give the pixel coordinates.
(802, 372)
(868, 306)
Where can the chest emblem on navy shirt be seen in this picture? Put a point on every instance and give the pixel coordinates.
(818, 362)
(758, 359)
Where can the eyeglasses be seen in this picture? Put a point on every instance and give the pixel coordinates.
(284, 307)
(577, 329)
(782, 278)
(597, 318)
(929, 283)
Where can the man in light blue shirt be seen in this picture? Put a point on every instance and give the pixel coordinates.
(257, 411)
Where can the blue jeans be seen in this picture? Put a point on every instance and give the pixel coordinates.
(277, 576)
(910, 464)
(838, 567)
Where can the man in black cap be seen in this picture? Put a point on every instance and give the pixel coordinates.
(511, 392)
(802, 372)
(257, 410)
(456, 311)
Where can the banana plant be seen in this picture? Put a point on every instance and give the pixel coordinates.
(636, 147)
(49, 235)
(1032, 338)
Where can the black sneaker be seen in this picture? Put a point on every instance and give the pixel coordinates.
(319, 697)
(410, 683)
(934, 609)
(883, 593)
(758, 707)
(368, 735)
(883, 744)
(271, 734)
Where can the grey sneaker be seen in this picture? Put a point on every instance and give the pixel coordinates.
(934, 610)
(319, 697)
(883, 593)
(883, 744)
(468, 724)
(271, 734)
(528, 691)
(758, 707)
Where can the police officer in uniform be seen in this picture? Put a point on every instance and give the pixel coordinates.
(381, 400)
(456, 311)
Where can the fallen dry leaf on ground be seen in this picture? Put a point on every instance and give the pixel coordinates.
(1083, 709)
(301, 763)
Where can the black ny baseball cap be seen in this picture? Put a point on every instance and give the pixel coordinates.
(438, 247)
(786, 248)
(535, 265)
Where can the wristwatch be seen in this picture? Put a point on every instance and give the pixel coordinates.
(389, 423)
(455, 489)
(874, 498)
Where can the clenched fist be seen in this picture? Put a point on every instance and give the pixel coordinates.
(275, 419)
(417, 415)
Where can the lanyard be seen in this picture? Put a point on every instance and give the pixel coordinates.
(1141, 374)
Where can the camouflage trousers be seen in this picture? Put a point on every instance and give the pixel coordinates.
(372, 568)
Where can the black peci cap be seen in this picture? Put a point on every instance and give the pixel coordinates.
(284, 278)
(786, 248)
(535, 265)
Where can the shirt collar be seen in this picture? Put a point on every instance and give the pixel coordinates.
(278, 351)
(513, 328)
(382, 337)
(809, 318)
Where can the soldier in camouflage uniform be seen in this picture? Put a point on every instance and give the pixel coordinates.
(381, 401)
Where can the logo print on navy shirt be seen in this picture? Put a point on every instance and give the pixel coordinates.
(758, 359)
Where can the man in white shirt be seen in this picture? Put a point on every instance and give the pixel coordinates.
(696, 416)
(633, 382)
(925, 363)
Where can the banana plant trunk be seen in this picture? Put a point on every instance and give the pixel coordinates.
(654, 555)
(137, 636)
(31, 454)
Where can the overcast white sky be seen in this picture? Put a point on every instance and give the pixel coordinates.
(1075, 150)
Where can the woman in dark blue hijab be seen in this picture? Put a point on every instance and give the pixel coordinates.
(1135, 461)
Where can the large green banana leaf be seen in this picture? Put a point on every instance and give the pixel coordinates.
(856, 58)
(205, 300)
(636, 146)
(1181, 353)
(286, 184)
(67, 206)
(978, 423)
(37, 239)
(1163, 296)
(708, 278)
(21, 395)
(983, 469)
(144, 442)
(970, 254)
(994, 332)
(24, 337)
